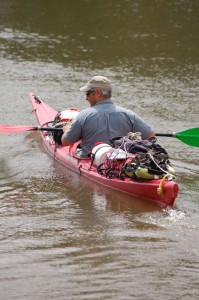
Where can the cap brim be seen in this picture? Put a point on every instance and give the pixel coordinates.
(84, 88)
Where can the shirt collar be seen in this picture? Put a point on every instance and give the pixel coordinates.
(108, 101)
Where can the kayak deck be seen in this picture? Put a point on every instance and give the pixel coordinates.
(161, 191)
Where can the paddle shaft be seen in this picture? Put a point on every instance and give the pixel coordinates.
(46, 129)
(166, 134)
(189, 136)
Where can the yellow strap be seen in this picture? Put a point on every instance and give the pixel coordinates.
(160, 188)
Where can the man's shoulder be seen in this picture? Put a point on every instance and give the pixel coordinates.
(123, 109)
(84, 113)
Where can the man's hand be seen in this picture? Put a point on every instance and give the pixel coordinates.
(66, 127)
(64, 141)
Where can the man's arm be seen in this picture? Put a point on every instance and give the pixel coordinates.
(65, 142)
(152, 134)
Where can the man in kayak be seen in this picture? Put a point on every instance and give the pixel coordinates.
(103, 120)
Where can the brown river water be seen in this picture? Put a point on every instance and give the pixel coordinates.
(61, 236)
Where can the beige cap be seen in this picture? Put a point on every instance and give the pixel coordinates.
(99, 82)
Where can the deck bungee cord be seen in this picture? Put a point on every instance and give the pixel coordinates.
(134, 158)
(38, 99)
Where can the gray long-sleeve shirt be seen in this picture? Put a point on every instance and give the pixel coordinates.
(103, 122)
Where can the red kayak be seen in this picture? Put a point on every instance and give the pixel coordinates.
(163, 190)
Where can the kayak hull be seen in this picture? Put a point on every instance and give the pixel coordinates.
(161, 191)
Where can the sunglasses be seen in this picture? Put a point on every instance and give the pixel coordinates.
(89, 92)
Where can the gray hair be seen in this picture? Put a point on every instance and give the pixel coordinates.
(106, 94)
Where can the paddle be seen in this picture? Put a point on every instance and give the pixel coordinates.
(189, 136)
(15, 129)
